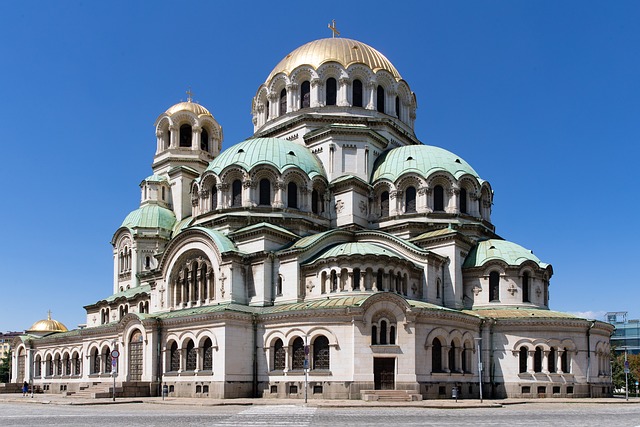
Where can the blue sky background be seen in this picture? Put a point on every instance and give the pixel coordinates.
(542, 98)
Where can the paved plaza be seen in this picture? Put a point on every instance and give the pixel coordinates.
(44, 410)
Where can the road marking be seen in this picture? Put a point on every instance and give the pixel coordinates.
(280, 415)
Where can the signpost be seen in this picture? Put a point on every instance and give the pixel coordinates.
(626, 376)
(114, 364)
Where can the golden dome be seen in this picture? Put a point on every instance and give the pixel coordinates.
(343, 51)
(47, 325)
(197, 109)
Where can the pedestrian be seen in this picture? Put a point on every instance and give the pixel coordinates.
(25, 389)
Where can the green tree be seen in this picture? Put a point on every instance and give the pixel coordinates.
(617, 370)
(5, 368)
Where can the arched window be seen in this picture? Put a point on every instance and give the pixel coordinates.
(380, 99)
(465, 360)
(523, 355)
(305, 94)
(463, 201)
(332, 91)
(207, 353)
(564, 361)
(356, 279)
(283, 102)
(292, 195)
(298, 354)
(236, 193)
(383, 332)
(384, 204)
(551, 360)
(438, 288)
(452, 357)
(75, 361)
(66, 364)
(525, 287)
(537, 360)
(214, 197)
(392, 335)
(397, 106)
(204, 277)
(191, 356)
(438, 198)
(410, 200)
(279, 286)
(107, 360)
(494, 286)
(174, 358)
(334, 281)
(95, 365)
(204, 140)
(357, 93)
(185, 136)
(38, 367)
(314, 202)
(436, 356)
(321, 353)
(379, 280)
(374, 335)
(163, 195)
(279, 355)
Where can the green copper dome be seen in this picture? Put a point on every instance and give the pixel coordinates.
(276, 152)
(420, 159)
(150, 216)
(501, 250)
(355, 248)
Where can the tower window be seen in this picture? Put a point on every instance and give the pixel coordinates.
(410, 200)
(357, 93)
(305, 94)
(523, 359)
(314, 202)
(292, 195)
(384, 204)
(332, 91)
(525, 287)
(204, 140)
(214, 197)
(494, 286)
(463, 201)
(397, 106)
(283, 101)
(436, 356)
(185, 136)
(380, 99)
(438, 198)
(265, 192)
(236, 193)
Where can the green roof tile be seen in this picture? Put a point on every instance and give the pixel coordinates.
(279, 153)
(502, 250)
(150, 216)
(420, 159)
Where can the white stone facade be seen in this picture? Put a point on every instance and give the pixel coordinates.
(332, 240)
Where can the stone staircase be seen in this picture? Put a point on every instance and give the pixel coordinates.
(390, 396)
(96, 391)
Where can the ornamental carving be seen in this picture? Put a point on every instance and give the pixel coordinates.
(512, 289)
(476, 290)
(363, 207)
(339, 206)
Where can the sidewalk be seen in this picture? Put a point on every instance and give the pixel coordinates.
(57, 399)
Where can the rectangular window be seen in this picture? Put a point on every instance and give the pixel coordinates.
(542, 389)
(526, 389)
(317, 389)
(293, 389)
(570, 389)
(274, 389)
(556, 389)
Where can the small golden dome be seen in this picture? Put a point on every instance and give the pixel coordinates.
(340, 50)
(197, 109)
(47, 325)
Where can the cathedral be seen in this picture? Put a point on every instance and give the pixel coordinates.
(332, 255)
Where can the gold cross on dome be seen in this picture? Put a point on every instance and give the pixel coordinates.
(49, 315)
(189, 95)
(333, 28)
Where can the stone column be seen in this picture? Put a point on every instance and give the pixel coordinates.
(559, 361)
(349, 286)
(372, 96)
(445, 358)
(530, 360)
(343, 84)
(173, 136)
(195, 137)
(314, 93)
(545, 362)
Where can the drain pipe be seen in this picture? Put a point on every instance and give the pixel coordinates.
(254, 321)
(491, 362)
(159, 356)
(593, 322)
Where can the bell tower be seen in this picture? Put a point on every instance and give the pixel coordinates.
(188, 138)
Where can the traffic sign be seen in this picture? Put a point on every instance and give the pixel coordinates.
(115, 354)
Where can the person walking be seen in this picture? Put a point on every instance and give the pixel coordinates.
(25, 389)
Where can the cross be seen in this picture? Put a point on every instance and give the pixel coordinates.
(161, 291)
(333, 28)
(189, 95)
(49, 315)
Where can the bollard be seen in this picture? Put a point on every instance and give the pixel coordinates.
(454, 393)
(165, 391)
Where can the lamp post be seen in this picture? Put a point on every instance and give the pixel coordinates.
(626, 375)
(32, 365)
(478, 341)
(306, 367)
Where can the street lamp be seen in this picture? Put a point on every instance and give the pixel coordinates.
(626, 375)
(478, 341)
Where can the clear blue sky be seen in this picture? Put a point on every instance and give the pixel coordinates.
(542, 98)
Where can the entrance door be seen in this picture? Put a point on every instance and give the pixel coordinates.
(135, 356)
(384, 369)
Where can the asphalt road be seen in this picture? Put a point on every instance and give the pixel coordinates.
(146, 414)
